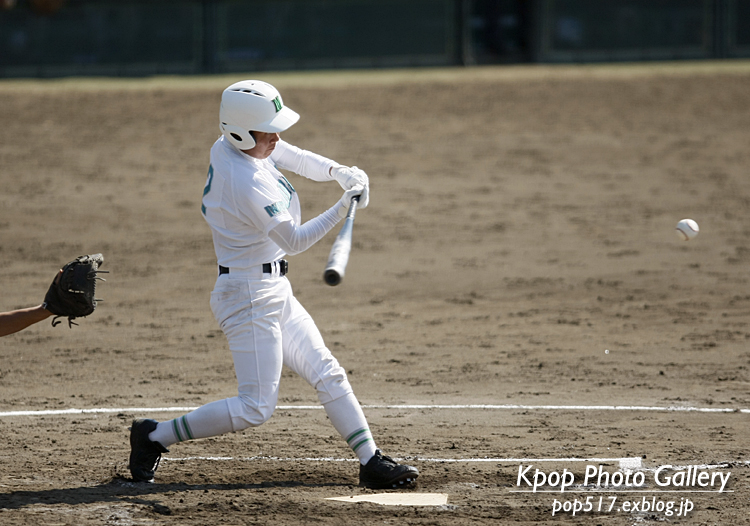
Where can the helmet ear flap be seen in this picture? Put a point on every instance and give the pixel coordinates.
(239, 137)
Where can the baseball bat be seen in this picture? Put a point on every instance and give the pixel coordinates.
(342, 245)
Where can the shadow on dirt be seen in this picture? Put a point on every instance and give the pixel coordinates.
(119, 488)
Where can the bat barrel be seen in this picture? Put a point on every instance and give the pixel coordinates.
(332, 277)
(339, 255)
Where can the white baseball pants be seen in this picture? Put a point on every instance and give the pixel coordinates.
(266, 327)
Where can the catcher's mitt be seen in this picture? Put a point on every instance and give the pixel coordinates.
(72, 293)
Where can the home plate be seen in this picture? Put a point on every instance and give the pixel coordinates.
(398, 499)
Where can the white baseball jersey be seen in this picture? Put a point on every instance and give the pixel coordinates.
(244, 198)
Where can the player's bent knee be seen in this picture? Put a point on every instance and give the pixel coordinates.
(246, 412)
(333, 385)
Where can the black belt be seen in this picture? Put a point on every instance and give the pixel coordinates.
(267, 268)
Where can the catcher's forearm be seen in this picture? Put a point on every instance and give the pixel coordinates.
(17, 320)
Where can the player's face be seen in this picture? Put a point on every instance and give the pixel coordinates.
(264, 144)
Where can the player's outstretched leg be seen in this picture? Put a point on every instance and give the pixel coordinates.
(144, 452)
(382, 472)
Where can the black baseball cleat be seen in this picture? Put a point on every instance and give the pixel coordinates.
(144, 453)
(382, 472)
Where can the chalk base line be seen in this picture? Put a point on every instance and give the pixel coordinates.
(487, 407)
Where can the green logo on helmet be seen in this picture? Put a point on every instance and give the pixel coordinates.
(277, 103)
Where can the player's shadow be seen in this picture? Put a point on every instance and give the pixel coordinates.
(118, 488)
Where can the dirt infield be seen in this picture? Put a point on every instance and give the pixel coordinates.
(517, 262)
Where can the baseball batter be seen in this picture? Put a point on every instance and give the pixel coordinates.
(254, 215)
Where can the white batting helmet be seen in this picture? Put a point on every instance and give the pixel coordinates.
(252, 105)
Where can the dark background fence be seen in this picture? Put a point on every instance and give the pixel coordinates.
(144, 37)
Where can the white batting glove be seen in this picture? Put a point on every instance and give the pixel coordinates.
(346, 200)
(348, 178)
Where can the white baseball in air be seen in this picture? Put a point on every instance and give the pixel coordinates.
(687, 229)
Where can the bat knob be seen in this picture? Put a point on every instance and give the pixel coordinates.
(332, 277)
